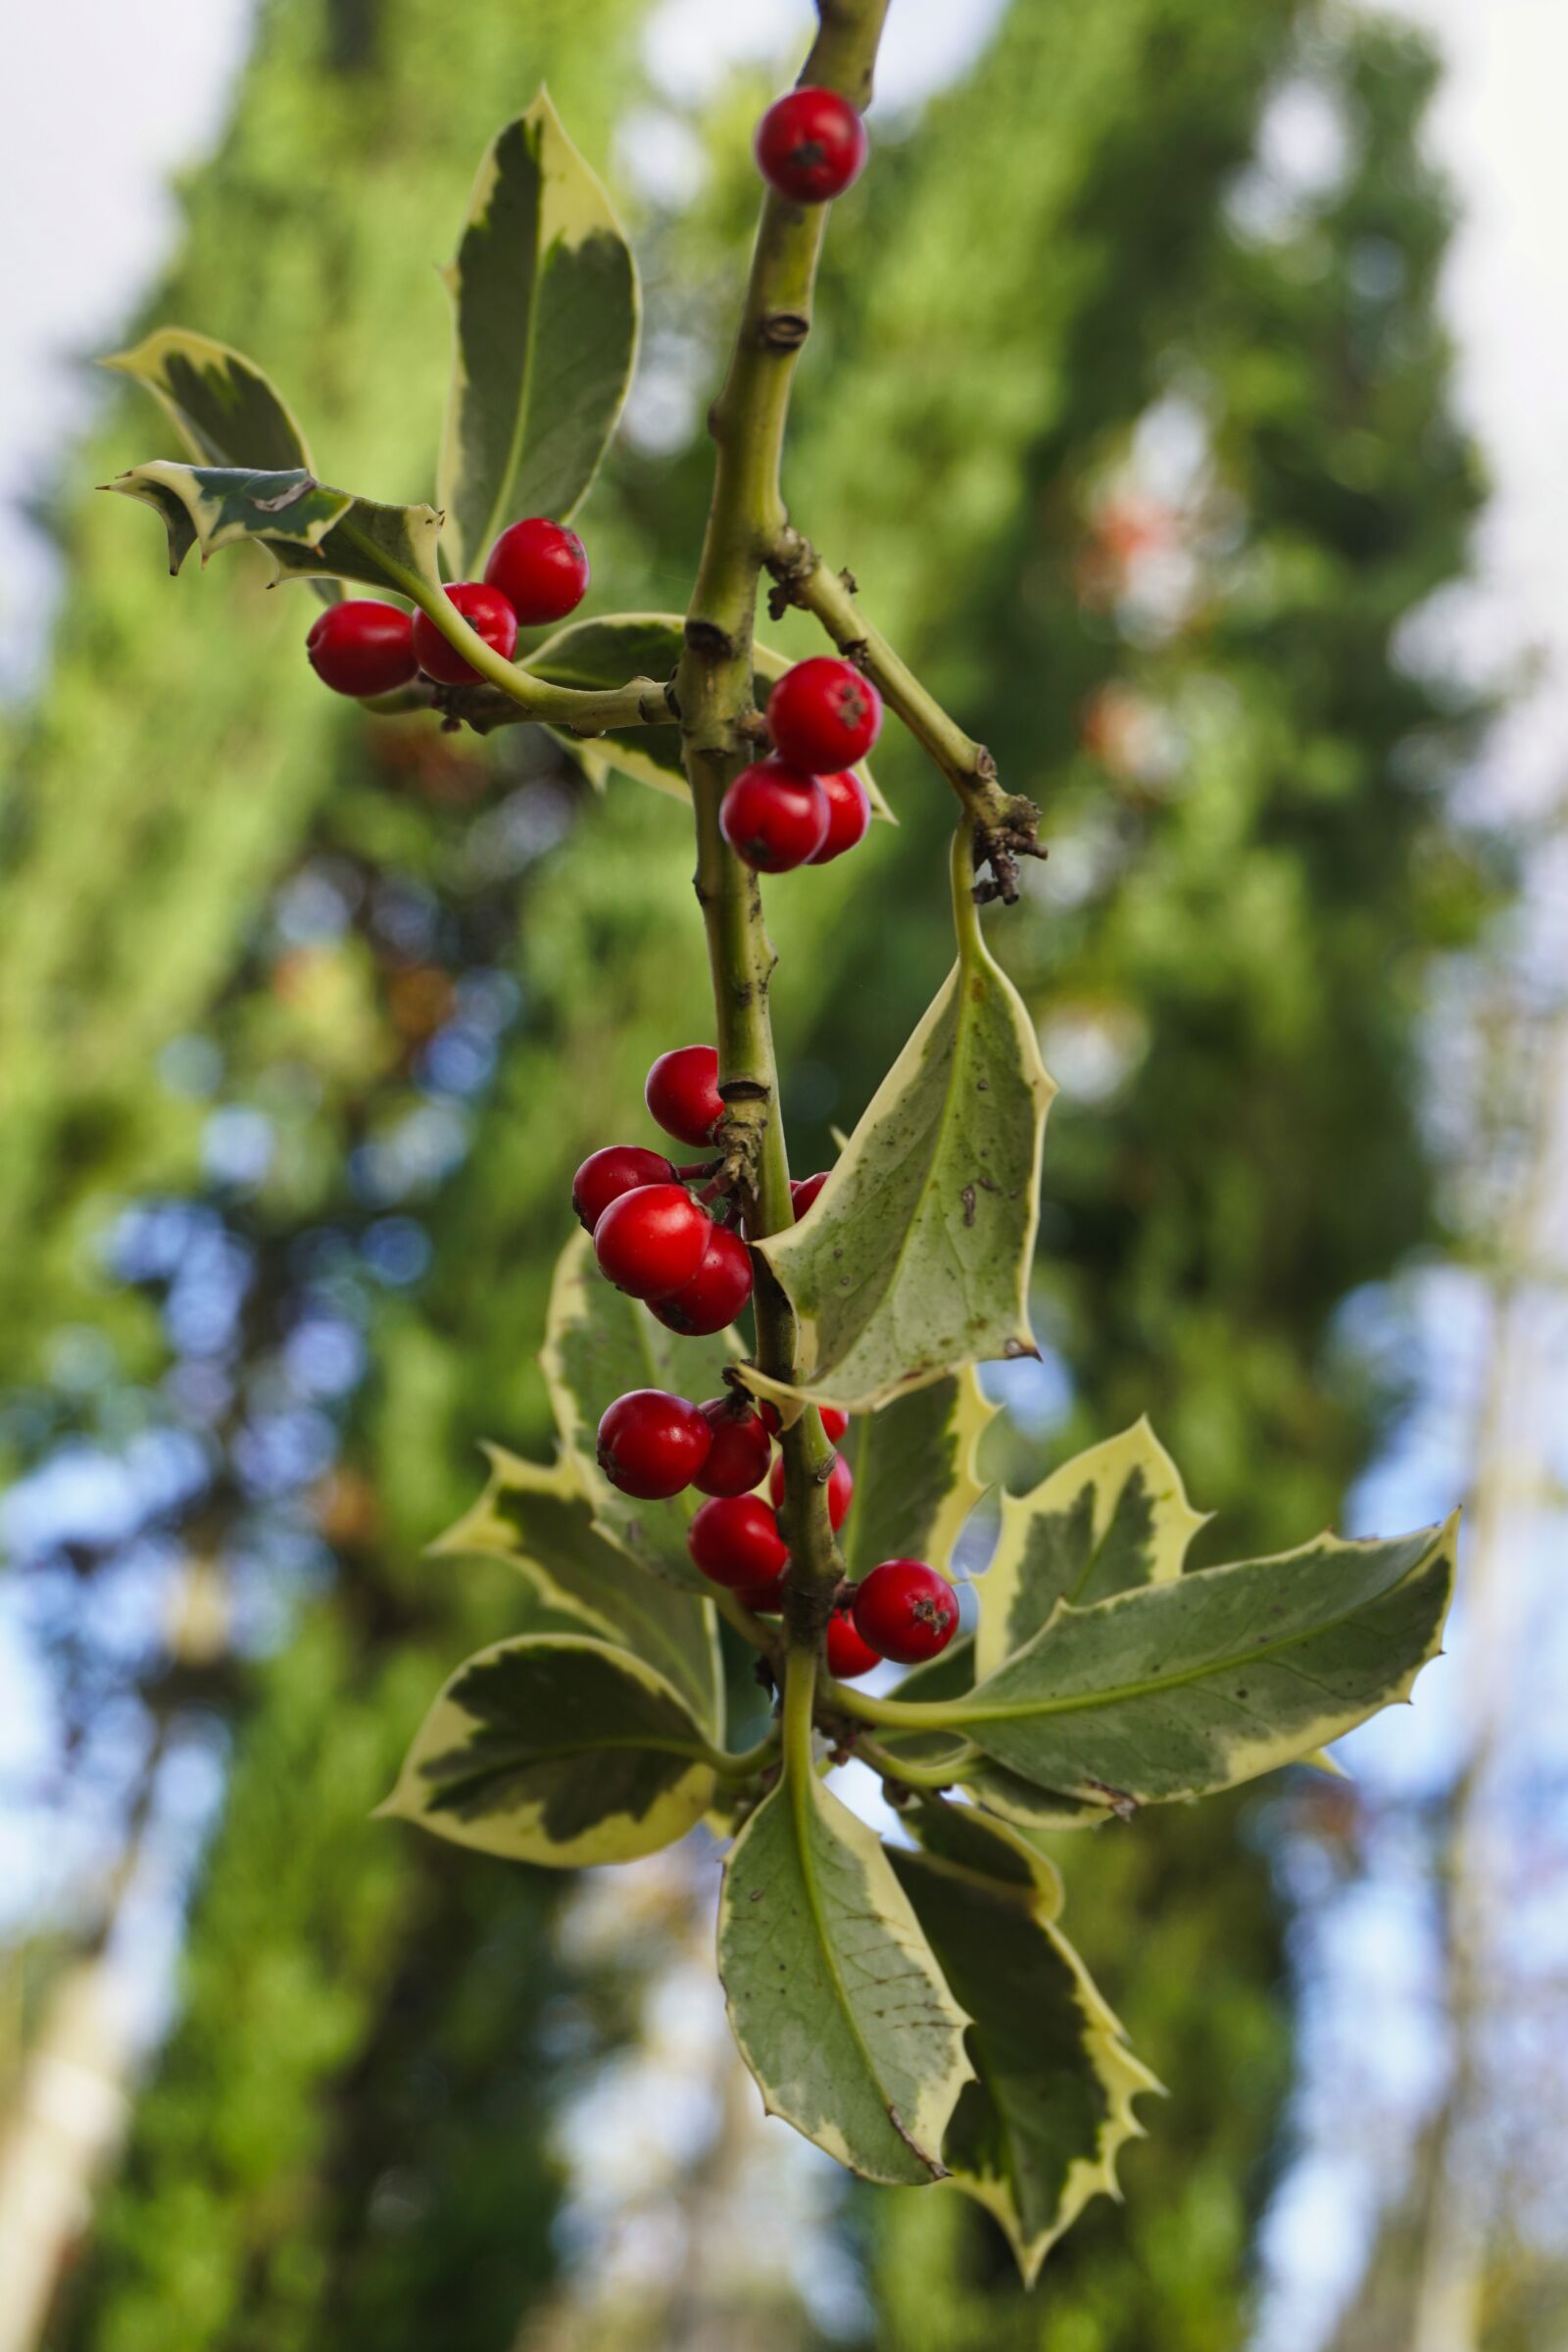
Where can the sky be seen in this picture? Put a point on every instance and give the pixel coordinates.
(149, 81)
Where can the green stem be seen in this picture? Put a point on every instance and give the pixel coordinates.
(749, 1762)
(1004, 823)
(897, 1714)
(642, 703)
(800, 1696)
(939, 1775)
(713, 691)
(732, 1607)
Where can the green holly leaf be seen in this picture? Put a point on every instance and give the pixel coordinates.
(225, 409)
(914, 1260)
(542, 1523)
(1180, 1689)
(1111, 1519)
(1015, 1800)
(597, 1344)
(1036, 2133)
(592, 655)
(309, 530)
(545, 311)
(555, 1749)
(915, 1480)
(840, 2011)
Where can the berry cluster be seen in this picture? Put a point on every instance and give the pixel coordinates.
(804, 804)
(537, 571)
(658, 1242)
(652, 1238)
(654, 1446)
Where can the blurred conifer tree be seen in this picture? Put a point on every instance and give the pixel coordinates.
(1145, 458)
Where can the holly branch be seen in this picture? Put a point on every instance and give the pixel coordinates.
(872, 1985)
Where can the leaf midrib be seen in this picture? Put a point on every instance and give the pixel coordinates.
(1080, 1704)
(802, 1794)
(499, 1769)
(882, 1290)
(498, 503)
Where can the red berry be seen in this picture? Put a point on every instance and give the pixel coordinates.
(735, 1542)
(716, 1293)
(485, 610)
(846, 1654)
(802, 1195)
(905, 1611)
(763, 1601)
(652, 1445)
(652, 1241)
(810, 144)
(541, 568)
(849, 814)
(774, 819)
(840, 1488)
(363, 647)
(738, 1457)
(834, 1423)
(605, 1175)
(682, 1092)
(823, 716)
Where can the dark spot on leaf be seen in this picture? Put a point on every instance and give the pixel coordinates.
(967, 1197)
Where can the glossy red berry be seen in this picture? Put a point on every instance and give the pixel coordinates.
(652, 1241)
(905, 1611)
(740, 1452)
(802, 1195)
(823, 716)
(846, 1654)
(486, 610)
(605, 1175)
(834, 1423)
(773, 819)
(363, 647)
(682, 1092)
(541, 568)
(735, 1541)
(716, 1293)
(839, 1488)
(652, 1445)
(810, 144)
(849, 814)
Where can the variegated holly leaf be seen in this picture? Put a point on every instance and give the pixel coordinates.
(1181, 1689)
(225, 409)
(311, 532)
(597, 1344)
(559, 1750)
(916, 1480)
(545, 305)
(839, 2009)
(914, 1260)
(1112, 1518)
(1036, 2134)
(541, 1522)
(592, 655)
(951, 1676)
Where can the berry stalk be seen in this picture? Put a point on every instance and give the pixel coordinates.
(713, 690)
(1003, 822)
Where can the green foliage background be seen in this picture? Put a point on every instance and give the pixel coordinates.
(1251, 922)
